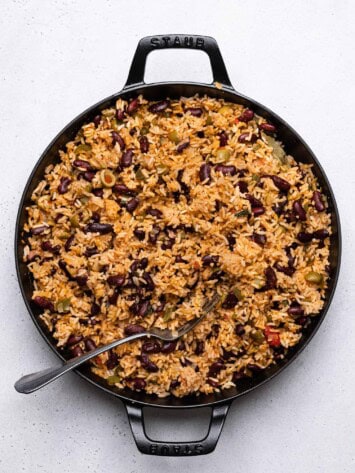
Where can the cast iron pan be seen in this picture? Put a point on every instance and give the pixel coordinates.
(220, 88)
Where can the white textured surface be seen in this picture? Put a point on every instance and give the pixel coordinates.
(57, 58)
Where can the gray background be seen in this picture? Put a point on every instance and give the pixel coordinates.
(59, 57)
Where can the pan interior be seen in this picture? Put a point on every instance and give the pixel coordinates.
(293, 145)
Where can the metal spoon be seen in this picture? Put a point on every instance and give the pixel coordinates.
(31, 382)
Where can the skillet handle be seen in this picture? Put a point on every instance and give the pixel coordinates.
(175, 449)
(203, 43)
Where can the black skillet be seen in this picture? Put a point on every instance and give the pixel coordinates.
(294, 145)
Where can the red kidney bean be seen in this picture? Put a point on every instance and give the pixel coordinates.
(46, 246)
(133, 329)
(143, 263)
(44, 303)
(149, 286)
(95, 309)
(64, 184)
(153, 234)
(83, 165)
(143, 308)
(120, 115)
(195, 279)
(239, 330)
(127, 158)
(258, 238)
(302, 320)
(280, 183)
(77, 351)
(168, 347)
(215, 330)
(200, 347)
(95, 217)
(247, 138)
(288, 270)
(159, 106)
(185, 362)
(271, 279)
(58, 217)
(144, 144)
(231, 241)
(90, 251)
(295, 310)
(299, 210)
(321, 234)
(69, 243)
(102, 228)
(132, 204)
(64, 268)
(290, 258)
(279, 208)
(226, 170)
(205, 173)
(168, 244)
(318, 201)
(138, 264)
(89, 175)
(304, 237)
(112, 360)
(132, 106)
(195, 112)
(123, 190)
(246, 116)
(139, 234)
(152, 346)
(82, 279)
(116, 280)
(112, 298)
(267, 127)
(215, 368)
(223, 139)
(254, 202)
(217, 275)
(258, 211)
(117, 138)
(200, 134)
(218, 205)
(181, 146)
(97, 120)
(148, 364)
(138, 384)
(227, 355)
(230, 301)
(89, 344)
(209, 260)
(154, 212)
(73, 340)
(243, 186)
(174, 384)
(98, 192)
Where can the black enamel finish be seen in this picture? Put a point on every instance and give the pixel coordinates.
(293, 144)
(152, 43)
(177, 449)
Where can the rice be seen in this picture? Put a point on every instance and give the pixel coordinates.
(154, 208)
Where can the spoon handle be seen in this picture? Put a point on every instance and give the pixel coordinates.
(31, 382)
